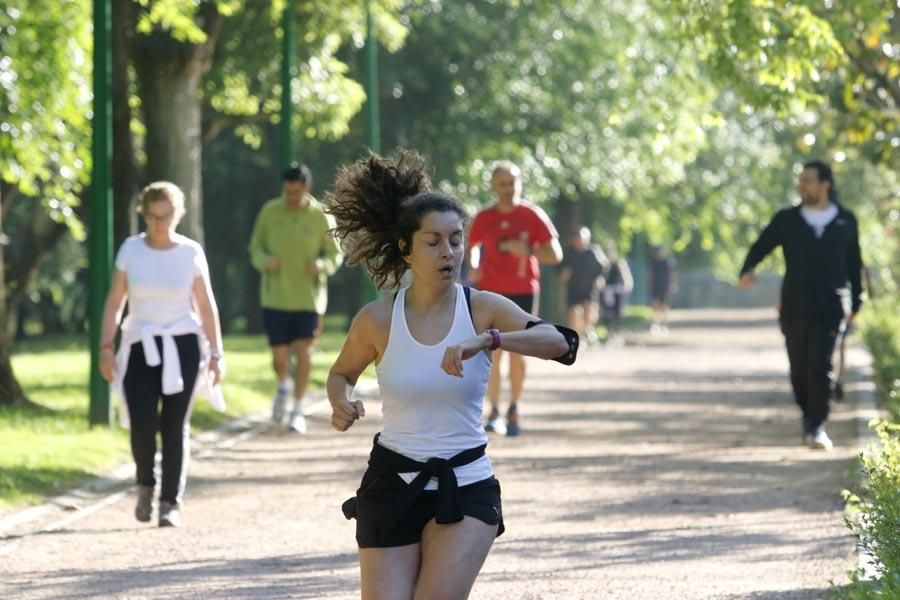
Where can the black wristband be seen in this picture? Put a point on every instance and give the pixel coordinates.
(571, 338)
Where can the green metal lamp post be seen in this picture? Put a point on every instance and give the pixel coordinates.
(100, 250)
(287, 68)
(373, 121)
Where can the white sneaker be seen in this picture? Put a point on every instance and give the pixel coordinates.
(496, 424)
(279, 404)
(820, 440)
(298, 421)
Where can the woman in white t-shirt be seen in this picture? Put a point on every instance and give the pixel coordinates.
(170, 346)
(428, 508)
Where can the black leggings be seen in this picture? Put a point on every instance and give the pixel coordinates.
(143, 390)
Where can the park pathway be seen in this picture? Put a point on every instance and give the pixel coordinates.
(669, 468)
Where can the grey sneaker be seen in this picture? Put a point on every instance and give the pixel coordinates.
(298, 421)
(169, 515)
(279, 404)
(144, 509)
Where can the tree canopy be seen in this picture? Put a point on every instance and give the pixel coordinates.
(683, 122)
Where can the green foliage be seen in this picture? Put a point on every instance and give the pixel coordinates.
(608, 105)
(47, 449)
(876, 522)
(804, 54)
(748, 171)
(876, 518)
(243, 89)
(179, 17)
(604, 105)
(582, 96)
(45, 95)
(58, 280)
(881, 332)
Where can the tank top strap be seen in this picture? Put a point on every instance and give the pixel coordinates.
(468, 293)
(397, 306)
(396, 331)
(463, 321)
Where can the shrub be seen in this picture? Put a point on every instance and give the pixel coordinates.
(875, 510)
(880, 328)
(875, 517)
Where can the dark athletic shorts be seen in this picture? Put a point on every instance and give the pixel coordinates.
(285, 326)
(527, 302)
(579, 297)
(480, 500)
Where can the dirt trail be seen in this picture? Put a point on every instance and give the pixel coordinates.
(670, 468)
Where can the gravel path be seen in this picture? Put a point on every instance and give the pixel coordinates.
(669, 468)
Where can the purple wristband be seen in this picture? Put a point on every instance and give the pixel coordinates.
(495, 338)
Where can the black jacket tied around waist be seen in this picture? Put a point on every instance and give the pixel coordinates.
(385, 462)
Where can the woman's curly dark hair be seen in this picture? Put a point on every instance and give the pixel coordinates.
(379, 202)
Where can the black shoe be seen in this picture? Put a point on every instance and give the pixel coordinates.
(143, 512)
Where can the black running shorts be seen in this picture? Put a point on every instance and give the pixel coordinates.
(480, 500)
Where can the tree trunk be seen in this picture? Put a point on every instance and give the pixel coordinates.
(124, 169)
(172, 118)
(11, 393)
(169, 76)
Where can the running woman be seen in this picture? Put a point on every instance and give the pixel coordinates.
(428, 508)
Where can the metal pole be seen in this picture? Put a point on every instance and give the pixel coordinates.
(373, 121)
(373, 126)
(287, 68)
(101, 208)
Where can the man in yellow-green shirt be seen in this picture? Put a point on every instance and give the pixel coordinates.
(294, 250)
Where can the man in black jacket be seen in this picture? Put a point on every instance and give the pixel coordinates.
(821, 291)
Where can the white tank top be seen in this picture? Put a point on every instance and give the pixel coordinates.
(427, 413)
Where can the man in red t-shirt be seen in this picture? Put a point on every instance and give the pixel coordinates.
(507, 242)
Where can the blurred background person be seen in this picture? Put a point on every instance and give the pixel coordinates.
(582, 273)
(662, 282)
(171, 346)
(293, 249)
(619, 284)
(821, 291)
(508, 242)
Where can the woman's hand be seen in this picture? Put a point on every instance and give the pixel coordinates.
(107, 364)
(344, 413)
(215, 368)
(452, 364)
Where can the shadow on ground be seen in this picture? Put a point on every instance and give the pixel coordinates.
(290, 576)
